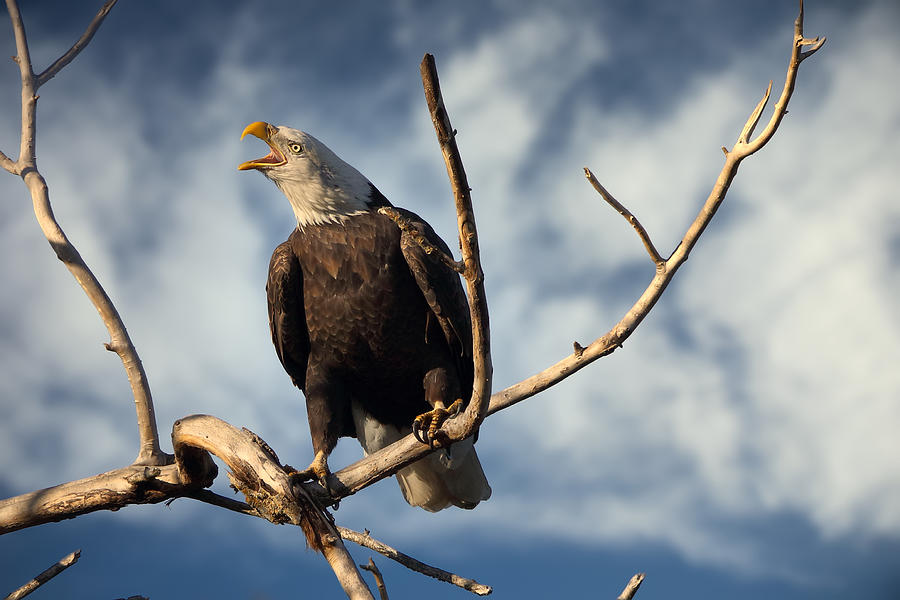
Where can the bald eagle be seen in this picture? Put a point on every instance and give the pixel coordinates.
(371, 328)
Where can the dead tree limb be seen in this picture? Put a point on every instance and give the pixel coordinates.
(468, 422)
(665, 271)
(631, 587)
(135, 484)
(379, 578)
(259, 475)
(366, 540)
(363, 539)
(26, 167)
(42, 578)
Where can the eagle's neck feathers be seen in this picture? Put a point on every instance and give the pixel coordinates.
(317, 203)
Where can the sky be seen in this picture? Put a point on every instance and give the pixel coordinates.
(741, 444)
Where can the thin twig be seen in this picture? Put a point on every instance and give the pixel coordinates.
(64, 563)
(632, 587)
(476, 411)
(751, 123)
(79, 45)
(379, 578)
(642, 233)
(366, 540)
(8, 164)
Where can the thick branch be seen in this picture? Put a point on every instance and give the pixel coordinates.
(26, 166)
(256, 471)
(63, 564)
(465, 426)
(112, 490)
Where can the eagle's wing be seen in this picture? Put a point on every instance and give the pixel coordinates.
(443, 292)
(287, 316)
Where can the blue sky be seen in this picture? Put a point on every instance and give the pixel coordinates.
(743, 442)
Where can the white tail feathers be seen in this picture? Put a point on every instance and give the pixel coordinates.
(448, 476)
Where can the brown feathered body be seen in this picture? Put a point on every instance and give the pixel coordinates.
(374, 331)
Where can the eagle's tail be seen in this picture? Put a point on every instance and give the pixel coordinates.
(448, 476)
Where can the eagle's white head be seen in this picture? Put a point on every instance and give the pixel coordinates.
(320, 186)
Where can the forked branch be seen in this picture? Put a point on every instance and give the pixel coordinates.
(258, 474)
(665, 271)
(26, 167)
(379, 578)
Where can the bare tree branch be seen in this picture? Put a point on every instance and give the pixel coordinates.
(258, 474)
(798, 55)
(364, 539)
(642, 233)
(135, 484)
(751, 123)
(79, 45)
(632, 587)
(465, 425)
(63, 564)
(8, 164)
(379, 579)
(26, 166)
(613, 339)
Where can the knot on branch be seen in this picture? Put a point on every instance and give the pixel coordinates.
(578, 348)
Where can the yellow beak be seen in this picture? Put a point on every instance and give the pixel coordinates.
(263, 131)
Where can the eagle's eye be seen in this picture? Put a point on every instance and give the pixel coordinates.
(295, 148)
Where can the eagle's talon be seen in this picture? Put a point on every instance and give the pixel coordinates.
(432, 435)
(316, 471)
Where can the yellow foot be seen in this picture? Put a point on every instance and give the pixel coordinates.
(316, 471)
(426, 427)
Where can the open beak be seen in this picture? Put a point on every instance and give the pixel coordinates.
(274, 158)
